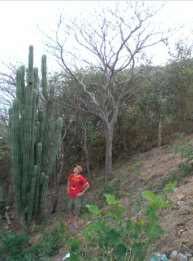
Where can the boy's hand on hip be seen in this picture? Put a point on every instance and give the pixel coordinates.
(79, 194)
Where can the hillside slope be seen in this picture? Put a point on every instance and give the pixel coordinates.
(143, 172)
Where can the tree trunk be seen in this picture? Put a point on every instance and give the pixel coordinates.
(97, 165)
(109, 142)
(160, 132)
(10, 195)
(55, 193)
(87, 164)
(56, 187)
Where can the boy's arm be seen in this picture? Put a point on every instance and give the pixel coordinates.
(87, 186)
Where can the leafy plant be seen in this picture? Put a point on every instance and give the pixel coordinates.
(137, 204)
(112, 238)
(186, 151)
(13, 245)
(83, 209)
(3, 205)
(111, 187)
(134, 168)
(171, 177)
(50, 243)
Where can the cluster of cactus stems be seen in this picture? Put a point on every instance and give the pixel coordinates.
(30, 144)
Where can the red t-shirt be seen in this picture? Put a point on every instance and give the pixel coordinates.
(76, 184)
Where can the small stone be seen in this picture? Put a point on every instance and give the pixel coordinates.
(34, 239)
(189, 196)
(180, 197)
(181, 257)
(175, 207)
(81, 222)
(174, 254)
(179, 202)
(188, 255)
(191, 259)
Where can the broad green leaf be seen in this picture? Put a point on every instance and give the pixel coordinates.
(120, 251)
(113, 237)
(119, 210)
(100, 245)
(153, 237)
(73, 242)
(73, 256)
(93, 209)
(140, 221)
(150, 211)
(101, 226)
(167, 205)
(137, 251)
(150, 196)
(153, 229)
(106, 245)
(110, 199)
(133, 235)
(157, 204)
(170, 187)
(92, 227)
(129, 227)
(91, 245)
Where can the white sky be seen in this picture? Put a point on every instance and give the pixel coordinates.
(18, 20)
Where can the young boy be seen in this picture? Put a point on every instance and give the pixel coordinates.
(74, 188)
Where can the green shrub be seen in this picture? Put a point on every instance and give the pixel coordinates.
(171, 177)
(83, 209)
(13, 245)
(3, 205)
(111, 187)
(112, 238)
(186, 151)
(49, 245)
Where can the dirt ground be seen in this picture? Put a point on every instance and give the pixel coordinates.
(142, 172)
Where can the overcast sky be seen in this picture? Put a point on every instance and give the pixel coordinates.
(19, 19)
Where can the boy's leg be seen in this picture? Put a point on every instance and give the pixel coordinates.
(77, 207)
(75, 221)
(70, 220)
(70, 208)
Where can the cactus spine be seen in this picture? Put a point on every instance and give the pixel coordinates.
(29, 144)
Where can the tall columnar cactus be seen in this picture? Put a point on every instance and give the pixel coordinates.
(30, 144)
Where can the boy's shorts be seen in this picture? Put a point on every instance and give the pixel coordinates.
(74, 204)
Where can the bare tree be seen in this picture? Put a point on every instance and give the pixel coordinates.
(8, 83)
(111, 42)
